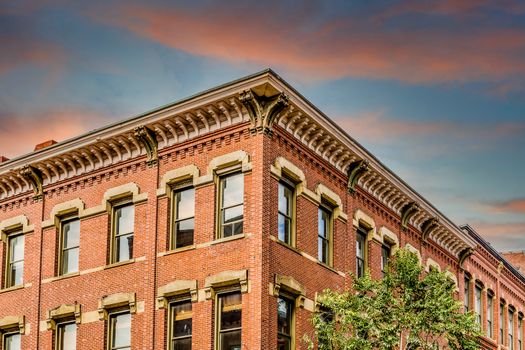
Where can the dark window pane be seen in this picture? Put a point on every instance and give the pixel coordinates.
(230, 340)
(283, 343)
(182, 319)
(231, 311)
(124, 248)
(181, 344)
(284, 316)
(184, 232)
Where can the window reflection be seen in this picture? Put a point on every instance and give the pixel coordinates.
(181, 327)
(123, 235)
(70, 246)
(184, 215)
(232, 204)
(120, 331)
(230, 321)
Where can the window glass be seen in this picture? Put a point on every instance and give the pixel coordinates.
(15, 267)
(477, 305)
(121, 331)
(70, 246)
(184, 217)
(520, 333)
(285, 213)
(284, 323)
(232, 208)
(510, 329)
(323, 233)
(67, 336)
(385, 257)
(360, 252)
(123, 243)
(466, 294)
(230, 321)
(490, 315)
(13, 341)
(181, 327)
(501, 325)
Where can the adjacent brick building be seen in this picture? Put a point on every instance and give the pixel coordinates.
(213, 223)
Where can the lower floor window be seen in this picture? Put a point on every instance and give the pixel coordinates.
(67, 336)
(230, 321)
(12, 341)
(181, 325)
(284, 323)
(120, 331)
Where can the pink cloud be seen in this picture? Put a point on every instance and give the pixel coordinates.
(510, 206)
(500, 232)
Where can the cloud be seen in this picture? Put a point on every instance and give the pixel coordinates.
(500, 231)
(510, 206)
(340, 46)
(57, 124)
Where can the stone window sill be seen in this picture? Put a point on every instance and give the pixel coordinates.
(120, 263)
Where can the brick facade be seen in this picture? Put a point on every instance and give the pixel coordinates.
(211, 264)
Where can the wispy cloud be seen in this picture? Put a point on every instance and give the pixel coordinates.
(510, 206)
(500, 231)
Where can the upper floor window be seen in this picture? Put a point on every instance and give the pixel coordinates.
(510, 328)
(501, 322)
(477, 305)
(324, 235)
(181, 316)
(69, 246)
(284, 323)
(119, 331)
(122, 232)
(183, 218)
(12, 341)
(466, 294)
(229, 321)
(386, 252)
(360, 252)
(231, 208)
(490, 314)
(520, 331)
(15, 260)
(66, 336)
(286, 212)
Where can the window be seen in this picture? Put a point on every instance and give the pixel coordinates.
(231, 199)
(501, 322)
(284, 323)
(15, 260)
(490, 314)
(66, 336)
(181, 325)
(285, 212)
(69, 246)
(467, 294)
(120, 331)
(386, 251)
(477, 305)
(123, 226)
(360, 253)
(184, 218)
(510, 329)
(520, 332)
(12, 341)
(229, 321)
(324, 235)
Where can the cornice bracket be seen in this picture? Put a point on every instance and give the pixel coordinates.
(355, 171)
(263, 110)
(407, 212)
(34, 176)
(465, 253)
(429, 226)
(148, 139)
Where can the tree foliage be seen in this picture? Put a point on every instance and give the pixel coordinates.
(406, 310)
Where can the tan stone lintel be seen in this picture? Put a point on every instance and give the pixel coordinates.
(20, 223)
(175, 289)
(64, 311)
(226, 279)
(9, 323)
(116, 300)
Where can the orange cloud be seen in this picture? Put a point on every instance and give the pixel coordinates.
(511, 206)
(344, 47)
(500, 231)
(58, 125)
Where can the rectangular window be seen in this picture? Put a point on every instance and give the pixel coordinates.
(501, 323)
(123, 227)
(490, 315)
(284, 323)
(69, 246)
(120, 331)
(15, 260)
(285, 212)
(386, 250)
(231, 201)
(360, 252)
(229, 321)
(477, 305)
(184, 218)
(510, 329)
(181, 315)
(12, 341)
(520, 332)
(467, 294)
(324, 235)
(66, 336)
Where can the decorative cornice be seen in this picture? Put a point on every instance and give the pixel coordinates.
(464, 255)
(34, 176)
(148, 139)
(263, 109)
(407, 212)
(428, 226)
(355, 171)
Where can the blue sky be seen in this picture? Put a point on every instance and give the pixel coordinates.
(435, 89)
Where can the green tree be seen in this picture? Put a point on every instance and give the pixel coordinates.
(406, 310)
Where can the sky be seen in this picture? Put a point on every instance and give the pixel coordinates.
(435, 89)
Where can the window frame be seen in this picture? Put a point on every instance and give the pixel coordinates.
(113, 241)
(467, 290)
(292, 187)
(502, 325)
(385, 258)
(478, 287)
(329, 239)
(64, 220)
(175, 191)
(111, 330)
(520, 331)
(291, 300)
(219, 198)
(490, 314)
(217, 311)
(8, 334)
(171, 312)
(59, 333)
(510, 327)
(361, 232)
(7, 271)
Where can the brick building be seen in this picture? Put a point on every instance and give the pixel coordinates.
(212, 223)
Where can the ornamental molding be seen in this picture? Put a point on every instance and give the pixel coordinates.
(263, 100)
